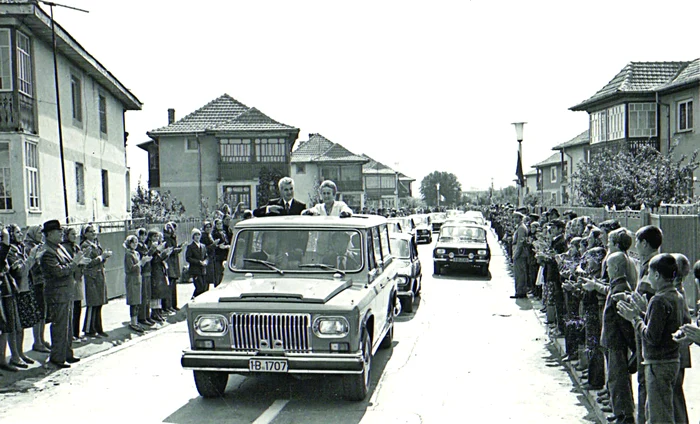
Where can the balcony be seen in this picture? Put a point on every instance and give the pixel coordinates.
(16, 113)
(248, 171)
(348, 186)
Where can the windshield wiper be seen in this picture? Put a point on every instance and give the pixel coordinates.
(266, 263)
(322, 266)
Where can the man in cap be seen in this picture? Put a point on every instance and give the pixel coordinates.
(58, 266)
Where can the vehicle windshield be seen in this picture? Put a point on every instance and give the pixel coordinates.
(439, 216)
(280, 251)
(455, 233)
(400, 248)
(421, 219)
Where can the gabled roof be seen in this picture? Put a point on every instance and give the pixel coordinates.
(250, 120)
(218, 111)
(580, 140)
(552, 160)
(635, 78)
(39, 22)
(531, 173)
(320, 149)
(689, 75)
(374, 167)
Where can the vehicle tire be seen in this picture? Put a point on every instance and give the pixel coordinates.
(210, 384)
(419, 286)
(436, 268)
(388, 340)
(484, 270)
(356, 386)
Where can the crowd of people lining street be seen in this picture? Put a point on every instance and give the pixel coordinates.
(616, 300)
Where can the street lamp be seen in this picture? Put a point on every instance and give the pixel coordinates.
(437, 185)
(519, 135)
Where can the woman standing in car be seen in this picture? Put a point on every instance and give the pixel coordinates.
(330, 206)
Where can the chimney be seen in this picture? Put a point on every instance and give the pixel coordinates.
(171, 116)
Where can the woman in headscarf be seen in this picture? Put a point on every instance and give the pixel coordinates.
(95, 286)
(174, 273)
(330, 206)
(34, 247)
(145, 247)
(132, 280)
(70, 242)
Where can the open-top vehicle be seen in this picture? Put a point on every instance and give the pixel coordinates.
(304, 295)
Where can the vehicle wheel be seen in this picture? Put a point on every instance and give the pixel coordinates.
(356, 386)
(210, 384)
(485, 270)
(388, 339)
(407, 303)
(419, 286)
(436, 268)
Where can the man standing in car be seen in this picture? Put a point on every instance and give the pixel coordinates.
(286, 204)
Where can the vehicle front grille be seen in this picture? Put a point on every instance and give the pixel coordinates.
(291, 330)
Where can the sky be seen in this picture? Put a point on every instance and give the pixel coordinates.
(419, 86)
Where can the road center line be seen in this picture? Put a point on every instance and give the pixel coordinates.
(271, 412)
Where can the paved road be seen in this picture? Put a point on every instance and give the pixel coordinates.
(467, 354)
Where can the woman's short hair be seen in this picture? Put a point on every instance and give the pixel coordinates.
(328, 184)
(129, 239)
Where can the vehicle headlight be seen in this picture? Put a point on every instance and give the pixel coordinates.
(481, 252)
(451, 255)
(210, 325)
(440, 251)
(331, 327)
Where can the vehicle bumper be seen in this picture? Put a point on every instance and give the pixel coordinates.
(314, 363)
(455, 264)
(423, 237)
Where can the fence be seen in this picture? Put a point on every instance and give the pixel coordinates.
(111, 235)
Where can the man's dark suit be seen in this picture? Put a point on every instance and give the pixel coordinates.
(194, 255)
(59, 291)
(295, 208)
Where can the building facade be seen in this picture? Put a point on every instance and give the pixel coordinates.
(385, 188)
(319, 159)
(224, 152)
(47, 135)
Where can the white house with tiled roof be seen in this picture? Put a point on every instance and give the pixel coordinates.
(91, 143)
(224, 151)
(648, 102)
(384, 185)
(319, 159)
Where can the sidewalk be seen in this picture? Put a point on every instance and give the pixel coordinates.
(115, 321)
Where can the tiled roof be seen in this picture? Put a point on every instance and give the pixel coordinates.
(251, 120)
(222, 114)
(689, 75)
(531, 172)
(636, 77)
(374, 167)
(580, 140)
(552, 160)
(320, 149)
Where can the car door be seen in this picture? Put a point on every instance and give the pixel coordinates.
(415, 261)
(384, 281)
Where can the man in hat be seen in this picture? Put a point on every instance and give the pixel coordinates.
(57, 266)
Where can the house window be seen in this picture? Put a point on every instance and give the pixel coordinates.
(616, 122)
(31, 165)
(350, 173)
(105, 187)
(685, 115)
(77, 97)
(233, 195)
(5, 181)
(24, 64)
(235, 150)
(79, 183)
(301, 168)
(5, 61)
(599, 127)
(270, 150)
(553, 174)
(153, 158)
(102, 112)
(642, 119)
(191, 145)
(330, 173)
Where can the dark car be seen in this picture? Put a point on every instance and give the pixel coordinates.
(424, 228)
(461, 246)
(405, 251)
(437, 219)
(301, 296)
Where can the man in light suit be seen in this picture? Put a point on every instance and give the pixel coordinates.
(57, 266)
(286, 204)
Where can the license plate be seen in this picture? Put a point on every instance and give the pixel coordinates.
(267, 365)
(461, 260)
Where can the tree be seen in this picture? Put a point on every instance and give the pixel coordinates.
(627, 178)
(450, 189)
(267, 185)
(155, 207)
